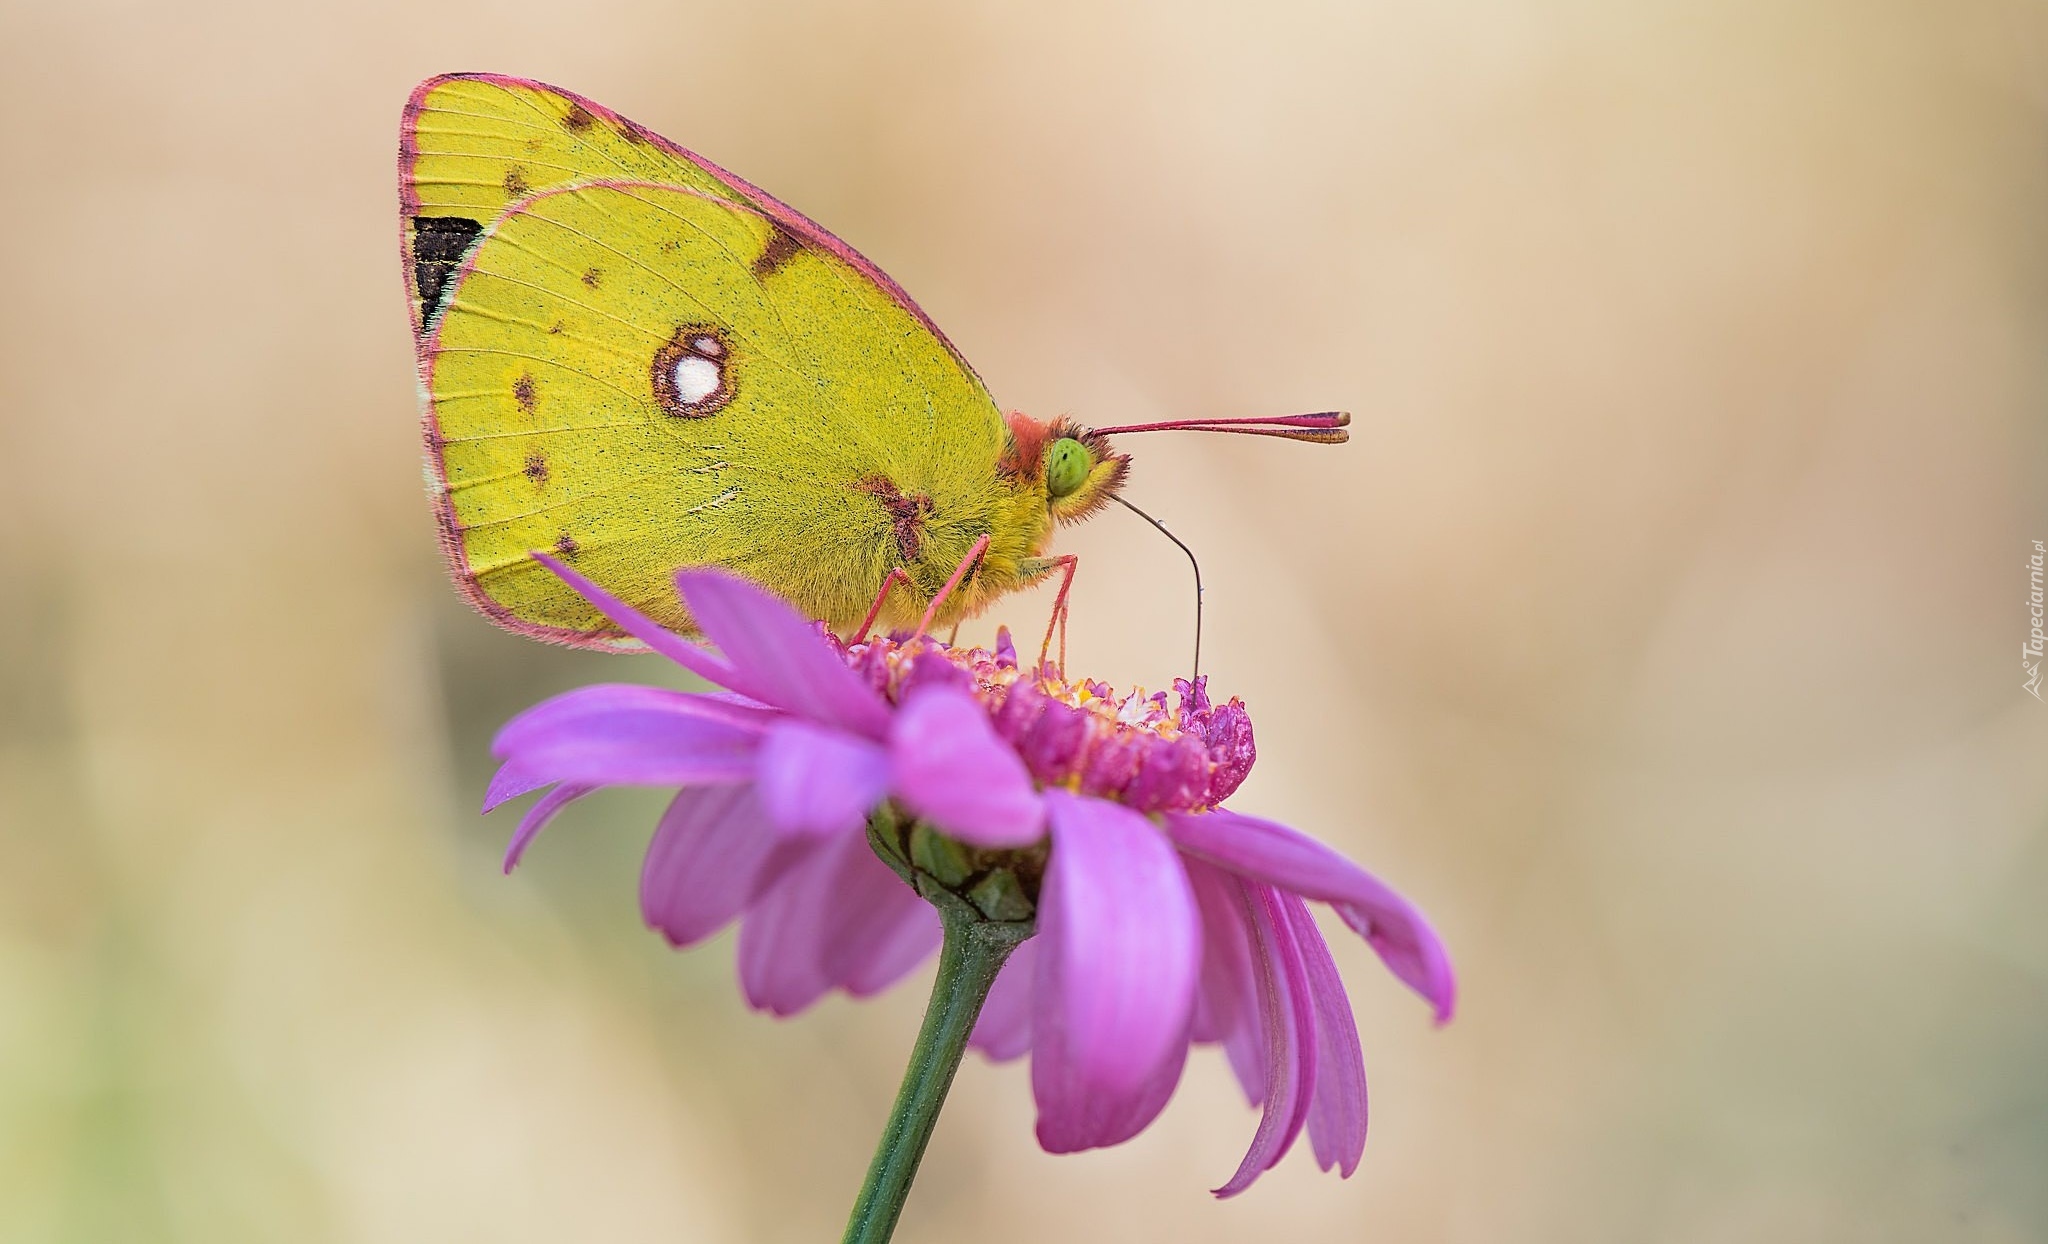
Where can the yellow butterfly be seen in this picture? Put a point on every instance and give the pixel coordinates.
(634, 360)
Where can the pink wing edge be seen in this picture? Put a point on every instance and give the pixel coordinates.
(446, 526)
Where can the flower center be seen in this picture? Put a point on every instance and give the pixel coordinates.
(1134, 748)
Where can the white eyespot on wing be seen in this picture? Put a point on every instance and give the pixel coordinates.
(697, 378)
(693, 373)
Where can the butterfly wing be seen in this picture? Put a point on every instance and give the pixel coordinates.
(473, 144)
(666, 368)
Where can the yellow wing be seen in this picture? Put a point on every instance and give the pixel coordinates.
(639, 362)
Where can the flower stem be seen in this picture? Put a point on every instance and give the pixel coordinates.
(972, 953)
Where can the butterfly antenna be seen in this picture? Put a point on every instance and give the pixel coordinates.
(1191, 561)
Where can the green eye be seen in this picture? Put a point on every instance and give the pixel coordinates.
(1066, 467)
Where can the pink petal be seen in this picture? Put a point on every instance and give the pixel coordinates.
(651, 745)
(601, 699)
(1120, 946)
(1290, 1035)
(876, 927)
(631, 701)
(691, 657)
(712, 853)
(1293, 861)
(951, 769)
(838, 918)
(782, 935)
(777, 657)
(1227, 1000)
(1003, 1031)
(537, 818)
(1151, 1095)
(815, 780)
(510, 782)
(1336, 1116)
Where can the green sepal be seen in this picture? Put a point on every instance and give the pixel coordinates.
(939, 857)
(1000, 896)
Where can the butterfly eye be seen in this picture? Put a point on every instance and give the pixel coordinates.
(1066, 467)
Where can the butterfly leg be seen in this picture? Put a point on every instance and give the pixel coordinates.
(1058, 621)
(894, 577)
(959, 572)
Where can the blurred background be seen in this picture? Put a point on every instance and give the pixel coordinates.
(1658, 631)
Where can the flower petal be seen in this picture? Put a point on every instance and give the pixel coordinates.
(537, 818)
(656, 744)
(691, 657)
(712, 853)
(1227, 999)
(782, 935)
(1120, 946)
(1293, 861)
(1004, 1029)
(629, 700)
(510, 782)
(876, 927)
(1290, 1035)
(777, 657)
(951, 769)
(839, 918)
(601, 699)
(815, 780)
(1337, 1114)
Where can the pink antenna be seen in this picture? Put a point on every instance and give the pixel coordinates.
(1323, 428)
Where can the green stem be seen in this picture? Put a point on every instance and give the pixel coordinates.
(972, 953)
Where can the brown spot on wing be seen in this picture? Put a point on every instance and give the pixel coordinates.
(566, 546)
(781, 248)
(523, 392)
(578, 119)
(907, 514)
(515, 182)
(631, 133)
(591, 276)
(537, 469)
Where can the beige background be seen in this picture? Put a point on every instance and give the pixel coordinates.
(1658, 630)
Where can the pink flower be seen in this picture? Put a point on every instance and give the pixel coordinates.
(1161, 918)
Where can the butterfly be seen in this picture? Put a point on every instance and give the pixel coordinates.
(633, 360)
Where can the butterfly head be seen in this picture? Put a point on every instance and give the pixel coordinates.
(1075, 466)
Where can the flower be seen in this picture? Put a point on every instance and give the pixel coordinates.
(1162, 919)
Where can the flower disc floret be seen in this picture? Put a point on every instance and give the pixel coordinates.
(1081, 734)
